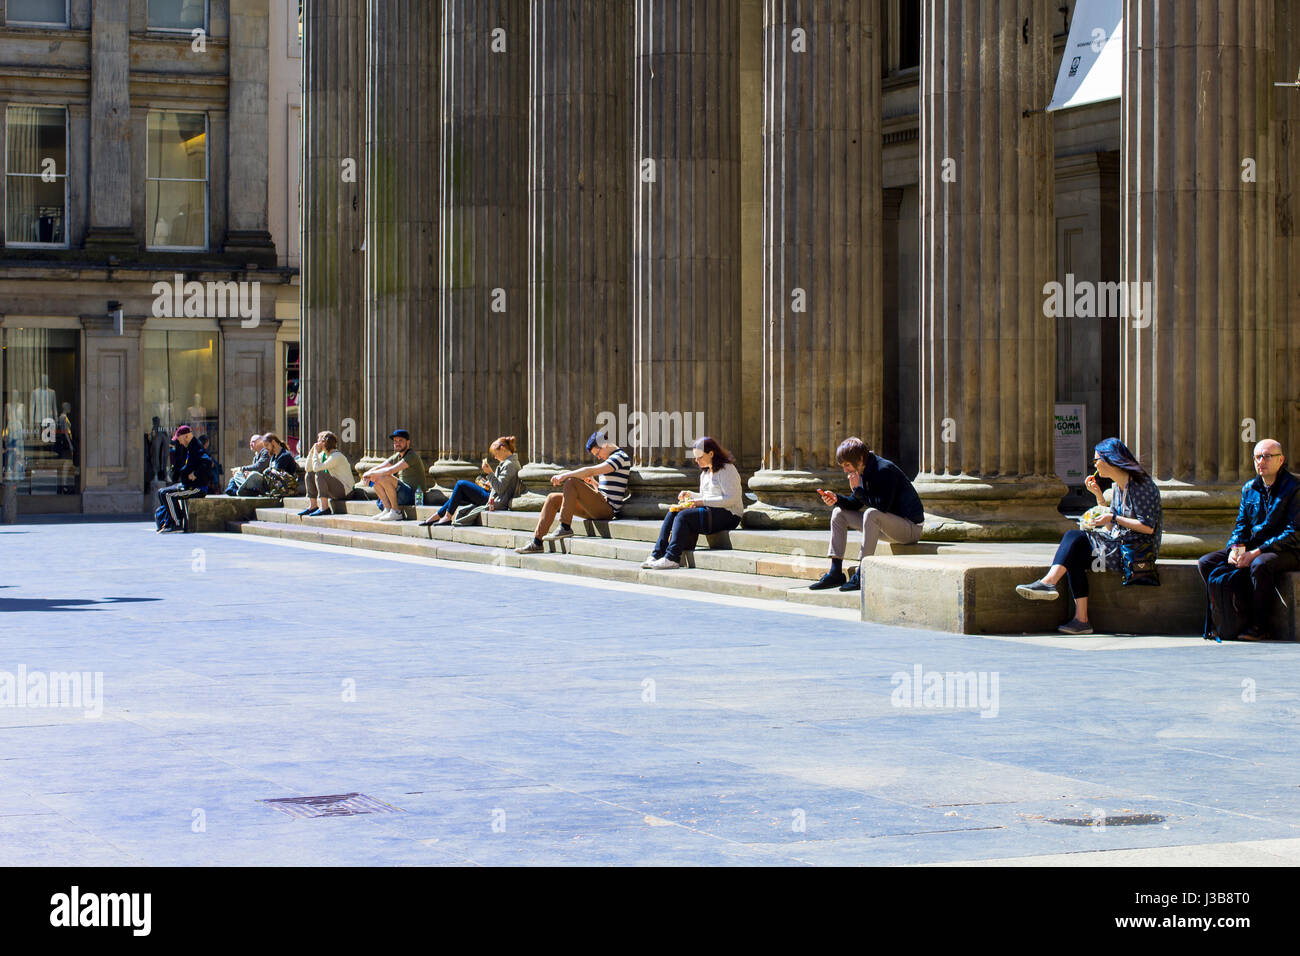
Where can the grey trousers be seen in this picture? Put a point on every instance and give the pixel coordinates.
(321, 484)
(875, 524)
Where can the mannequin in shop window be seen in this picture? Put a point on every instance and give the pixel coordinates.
(63, 446)
(198, 415)
(12, 441)
(45, 406)
(158, 450)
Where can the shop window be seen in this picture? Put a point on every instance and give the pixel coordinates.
(291, 379)
(36, 176)
(41, 437)
(176, 186)
(180, 372)
(182, 15)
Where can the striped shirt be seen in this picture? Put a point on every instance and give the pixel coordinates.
(613, 484)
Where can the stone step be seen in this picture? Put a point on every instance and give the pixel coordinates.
(479, 545)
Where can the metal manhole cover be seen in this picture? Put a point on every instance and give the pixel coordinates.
(334, 805)
(1122, 820)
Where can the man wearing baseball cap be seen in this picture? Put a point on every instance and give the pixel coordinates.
(191, 474)
(579, 497)
(397, 478)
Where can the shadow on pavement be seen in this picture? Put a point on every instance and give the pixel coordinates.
(64, 604)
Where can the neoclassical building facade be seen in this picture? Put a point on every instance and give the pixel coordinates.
(783, 222)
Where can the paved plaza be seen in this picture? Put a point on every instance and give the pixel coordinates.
(494, 716)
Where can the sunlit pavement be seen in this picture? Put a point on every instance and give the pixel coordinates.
(504, 718)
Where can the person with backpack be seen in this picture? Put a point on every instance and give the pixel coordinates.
(191, 476)
(503, 479)
(1264, 544)
(1126, 537)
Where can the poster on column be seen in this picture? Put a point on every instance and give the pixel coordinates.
(1071, 443)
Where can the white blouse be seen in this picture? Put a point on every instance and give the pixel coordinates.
(721, 489)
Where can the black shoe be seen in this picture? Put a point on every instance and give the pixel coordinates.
(1254, 634)
(831, 579)
(852, 584)
(1075, 627)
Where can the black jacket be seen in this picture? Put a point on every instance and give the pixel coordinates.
(886, 488)
(1269, 518)
(284, 462)
(191, 460)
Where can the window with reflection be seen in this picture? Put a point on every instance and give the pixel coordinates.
(184, 15)
(40, 435)
(53, 13)
(176, 185)
(36, 176)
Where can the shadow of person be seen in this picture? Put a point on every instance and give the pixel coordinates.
(64, 604)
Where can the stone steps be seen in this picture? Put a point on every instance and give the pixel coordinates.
(764, 575)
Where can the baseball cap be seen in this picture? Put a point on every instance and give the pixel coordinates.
(400, 433)
(183, 430)
(597, 438)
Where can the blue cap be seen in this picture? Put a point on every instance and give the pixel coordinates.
(400, 433)
(597, 438)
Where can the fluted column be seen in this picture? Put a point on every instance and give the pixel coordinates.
(1198, 194)
(1287, 151)
(484, 225)
(333, 179)
(685, 295)
(987, 353)
(110, 118)
(401, 303)
(822, 223)
(579, 168)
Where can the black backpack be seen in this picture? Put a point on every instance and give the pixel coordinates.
(1227, 611)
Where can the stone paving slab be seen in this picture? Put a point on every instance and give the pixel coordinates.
(514, 717)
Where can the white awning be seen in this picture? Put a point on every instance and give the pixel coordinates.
(1092, 70)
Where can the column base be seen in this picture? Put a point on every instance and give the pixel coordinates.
(654, 488)
(536, 476)
(1197, 518)
(447, 471)
(969, 508)
(788, 499)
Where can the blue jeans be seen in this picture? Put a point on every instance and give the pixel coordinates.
(405, 496)
(682, 529)
(463, 493)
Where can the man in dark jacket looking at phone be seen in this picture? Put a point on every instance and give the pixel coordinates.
(882, 502)
(1266, 538)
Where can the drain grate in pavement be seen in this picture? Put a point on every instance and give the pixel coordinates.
(334, 805)
(1123, 820)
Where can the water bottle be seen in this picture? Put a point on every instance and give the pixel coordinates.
(419, 497)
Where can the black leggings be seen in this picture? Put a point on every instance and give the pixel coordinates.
(1075, 552)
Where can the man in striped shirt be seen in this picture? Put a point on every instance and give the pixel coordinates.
(579, 497)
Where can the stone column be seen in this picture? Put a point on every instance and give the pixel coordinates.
(401, 301)
(484, 218)
(822, 332)
(113, 461)
(685, 296)
(1287, 151)
(987, 354)
(579, 169)
(247, 233)
(248, 384)
(110, 129)
(333, 177)
(1198, 367)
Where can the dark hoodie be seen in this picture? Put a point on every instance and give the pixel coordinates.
(191, 460)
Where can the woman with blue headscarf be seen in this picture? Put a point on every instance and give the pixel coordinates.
(1134, 518)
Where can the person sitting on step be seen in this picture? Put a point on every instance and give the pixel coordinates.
(191, 475)
(261, 460)
(1134, 518)
(882, 503)
(600, 502)
(328, 475)
(398, 478)
(1266, 538)
(503, 479)
(717, 507)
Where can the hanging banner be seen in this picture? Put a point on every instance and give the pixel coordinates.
(1092, 70)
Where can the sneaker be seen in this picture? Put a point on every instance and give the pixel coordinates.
(392, 516)
(665, 564)
(853, 583)
(1075, 626)
(306, 512)
(1038, 591)
(831, 579)
(649, 562)
(532, 547)
(559, 533)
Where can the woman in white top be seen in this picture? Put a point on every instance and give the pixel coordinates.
(716, 507)
(328, 474)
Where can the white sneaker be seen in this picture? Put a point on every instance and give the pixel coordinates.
(664, 564)
(392, 516)
(649, 562)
